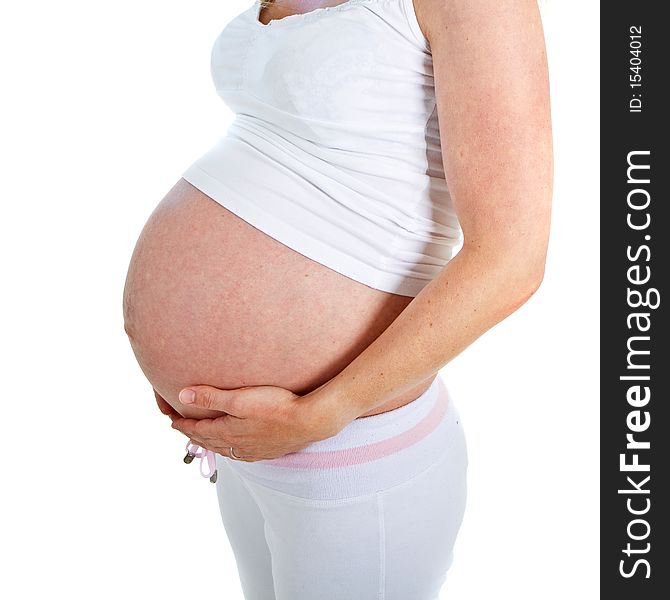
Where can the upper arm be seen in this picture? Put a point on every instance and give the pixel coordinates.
(492, 94)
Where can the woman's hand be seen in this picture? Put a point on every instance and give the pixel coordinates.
(259, 422)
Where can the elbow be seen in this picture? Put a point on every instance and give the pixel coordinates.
(525, 265)
(514, 276)
(535, 279)
(526, 283)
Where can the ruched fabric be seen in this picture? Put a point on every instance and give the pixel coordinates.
(335, 146)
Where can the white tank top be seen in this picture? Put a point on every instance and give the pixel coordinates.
(335, 148)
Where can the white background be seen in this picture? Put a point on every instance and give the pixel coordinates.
(104, 105)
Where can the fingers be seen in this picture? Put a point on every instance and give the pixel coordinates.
(218, 429)
(201, 443)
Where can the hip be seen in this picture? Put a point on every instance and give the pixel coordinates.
(370, 454)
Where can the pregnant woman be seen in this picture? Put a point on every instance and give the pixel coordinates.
(381, 199)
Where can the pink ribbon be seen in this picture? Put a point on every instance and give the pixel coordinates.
(204, 455)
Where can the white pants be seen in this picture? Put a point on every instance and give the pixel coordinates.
(371, 513)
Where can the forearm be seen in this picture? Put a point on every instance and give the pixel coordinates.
(492, 97)
(474, 291)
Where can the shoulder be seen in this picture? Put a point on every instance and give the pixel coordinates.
(437, 17)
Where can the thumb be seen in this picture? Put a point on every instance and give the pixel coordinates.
(206, 396)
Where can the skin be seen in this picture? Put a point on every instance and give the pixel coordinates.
(211, 299)
(282, 8)
(492, 86)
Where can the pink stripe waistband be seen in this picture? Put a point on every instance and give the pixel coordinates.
(369, 452)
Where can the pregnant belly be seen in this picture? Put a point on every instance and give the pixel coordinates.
(210, 299)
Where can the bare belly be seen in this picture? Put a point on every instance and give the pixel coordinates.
(210, 299)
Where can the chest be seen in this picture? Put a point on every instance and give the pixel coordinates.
(330, 63)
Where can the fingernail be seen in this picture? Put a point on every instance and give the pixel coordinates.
(187, 396)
